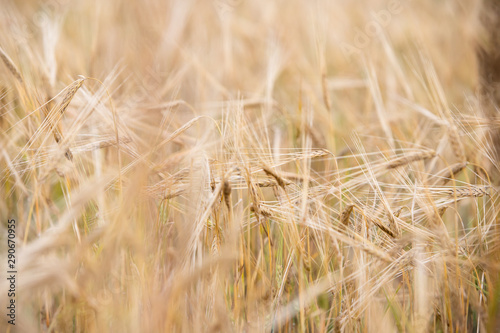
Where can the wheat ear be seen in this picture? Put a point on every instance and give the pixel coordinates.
(68, 97)
(226, 191)
(280, 180)
(10, 65)
(450, 173)
(473, 191)
(456, 144)
(404, 160)
(346, 214)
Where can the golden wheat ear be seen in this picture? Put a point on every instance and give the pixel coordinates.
(10, 66)
(413, 157)
(53, 119)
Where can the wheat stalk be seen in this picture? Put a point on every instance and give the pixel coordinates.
(324, 87)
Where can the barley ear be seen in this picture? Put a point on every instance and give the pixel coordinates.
(71, 92)
(405, 160)
(346, 214)
(10, 66)
(280, 180)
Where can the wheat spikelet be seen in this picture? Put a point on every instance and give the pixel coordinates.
(226, 191)
(280, 180)
(10, 66)
(180, 130)
(473, 191)
(312, 154)
(68, 154)
(442, 210)
(337, 324)
(398, 211)
(346, 213)
(265, 212)
(259, 210)
(392, 221)
(382, 227)
(56, 131)
(456, 143)
(215, 248)
(268, 183)
(255, 205)
(72, 89)
(450, 173)
(404, 160)
(319, 153)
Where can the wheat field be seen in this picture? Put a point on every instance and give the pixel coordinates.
(249, 166)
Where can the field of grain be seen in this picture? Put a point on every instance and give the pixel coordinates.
(249, 166)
